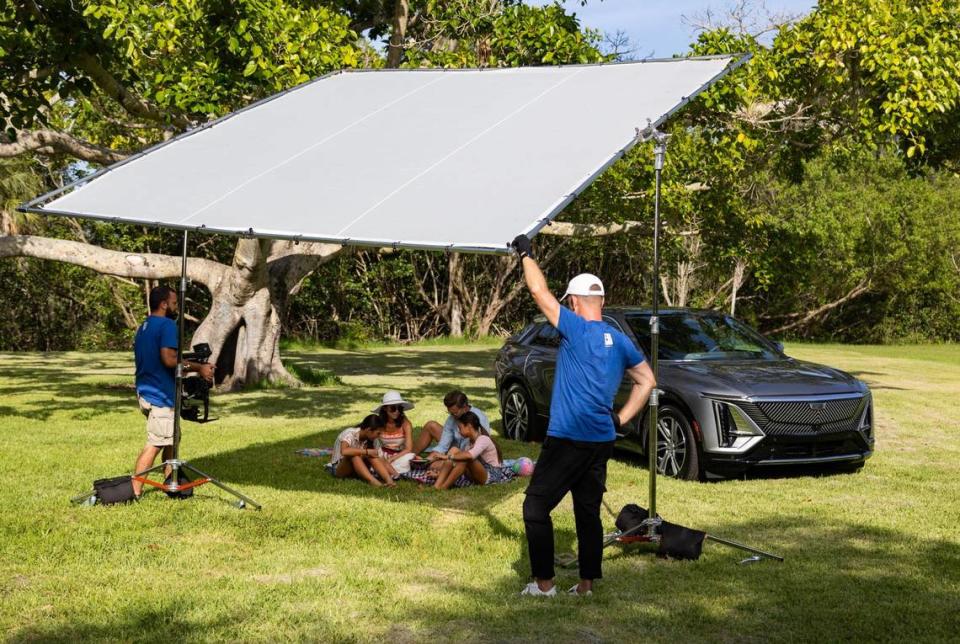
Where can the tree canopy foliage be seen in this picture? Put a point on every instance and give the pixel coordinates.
(813, 192)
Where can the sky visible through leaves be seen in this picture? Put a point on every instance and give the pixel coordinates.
(657, 27)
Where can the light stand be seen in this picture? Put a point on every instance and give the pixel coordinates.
(659, 153)
(649, 530)
(172, 483)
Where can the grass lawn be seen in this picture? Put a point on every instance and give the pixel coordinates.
(869, 556)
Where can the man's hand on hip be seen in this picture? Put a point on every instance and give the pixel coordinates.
(615, 417)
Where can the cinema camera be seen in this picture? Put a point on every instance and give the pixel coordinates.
(196, 390)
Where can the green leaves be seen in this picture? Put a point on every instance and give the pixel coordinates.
(887, 69)
(507, 35)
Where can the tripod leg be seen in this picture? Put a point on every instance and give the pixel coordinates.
(242, 497)
(83, 498)
(734, 544)
(151, 470)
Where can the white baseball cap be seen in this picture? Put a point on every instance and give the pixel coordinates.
(584, 284)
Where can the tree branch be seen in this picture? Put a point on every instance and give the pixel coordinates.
(807, 317)
(284, 248)
(50, 142)
(566, 229)
(131, 102)
(112, 262)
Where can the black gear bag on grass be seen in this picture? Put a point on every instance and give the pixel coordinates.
(676, 542)
(118, 489)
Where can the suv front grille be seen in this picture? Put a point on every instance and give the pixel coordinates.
(806, 417)
(811, 412)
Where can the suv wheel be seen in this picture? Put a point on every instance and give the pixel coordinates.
(520, 422)
(677, 454)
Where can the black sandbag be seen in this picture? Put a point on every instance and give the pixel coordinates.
(118, 489)
(631, 516)
(678, 542)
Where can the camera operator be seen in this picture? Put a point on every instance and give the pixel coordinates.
(155, 354)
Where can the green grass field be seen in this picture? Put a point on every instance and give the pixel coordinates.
(869, 556)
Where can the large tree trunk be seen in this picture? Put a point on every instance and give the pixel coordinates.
(398, 34)
(245, 339)
(250, 295)
(244, 324)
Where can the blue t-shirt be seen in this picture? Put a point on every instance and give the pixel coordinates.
(590, 366)
(156, 383)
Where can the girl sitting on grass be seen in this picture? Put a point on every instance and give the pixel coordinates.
(481, 463)
(355, 452)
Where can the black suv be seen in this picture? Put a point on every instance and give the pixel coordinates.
(731, 398)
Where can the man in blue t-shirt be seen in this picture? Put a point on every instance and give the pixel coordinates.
(448, 434)
(592, 359)
(155, 355)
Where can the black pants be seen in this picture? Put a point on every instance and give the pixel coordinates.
(581, 469)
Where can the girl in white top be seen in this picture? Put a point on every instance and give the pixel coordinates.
(480, 463)
(355, 452)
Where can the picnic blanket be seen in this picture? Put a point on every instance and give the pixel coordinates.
(315, 451)
(420, 476)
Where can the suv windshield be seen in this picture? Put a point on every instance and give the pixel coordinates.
(695, 336)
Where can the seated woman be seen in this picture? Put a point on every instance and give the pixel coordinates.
(355, 452)
(481, 463)
(397, 438)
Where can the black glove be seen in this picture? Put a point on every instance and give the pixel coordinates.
(522, 245)
(615, 417)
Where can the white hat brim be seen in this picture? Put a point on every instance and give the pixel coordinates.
(407, 406)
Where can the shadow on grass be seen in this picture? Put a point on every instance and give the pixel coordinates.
(873, 384)
(443, 363)
(138, 623)
(64, 383)
(83, 401)
(278, 466)
(632, 456)
(843, 581)
(839, 582)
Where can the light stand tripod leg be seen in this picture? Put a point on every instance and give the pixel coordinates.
(734, 544)
(242, 497)
(81, 499)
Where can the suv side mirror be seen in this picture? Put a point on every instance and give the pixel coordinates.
(779, 346)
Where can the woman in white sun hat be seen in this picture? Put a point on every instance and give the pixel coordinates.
(396, 442)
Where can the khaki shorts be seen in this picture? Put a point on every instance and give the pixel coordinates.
(159, 424)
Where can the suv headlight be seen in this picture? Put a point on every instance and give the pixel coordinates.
(733, 424)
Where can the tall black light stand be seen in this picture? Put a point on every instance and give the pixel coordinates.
(172, 484)
(659, 152)
(649, 529)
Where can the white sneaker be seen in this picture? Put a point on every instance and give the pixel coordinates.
(574, 591)
(533, 590)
